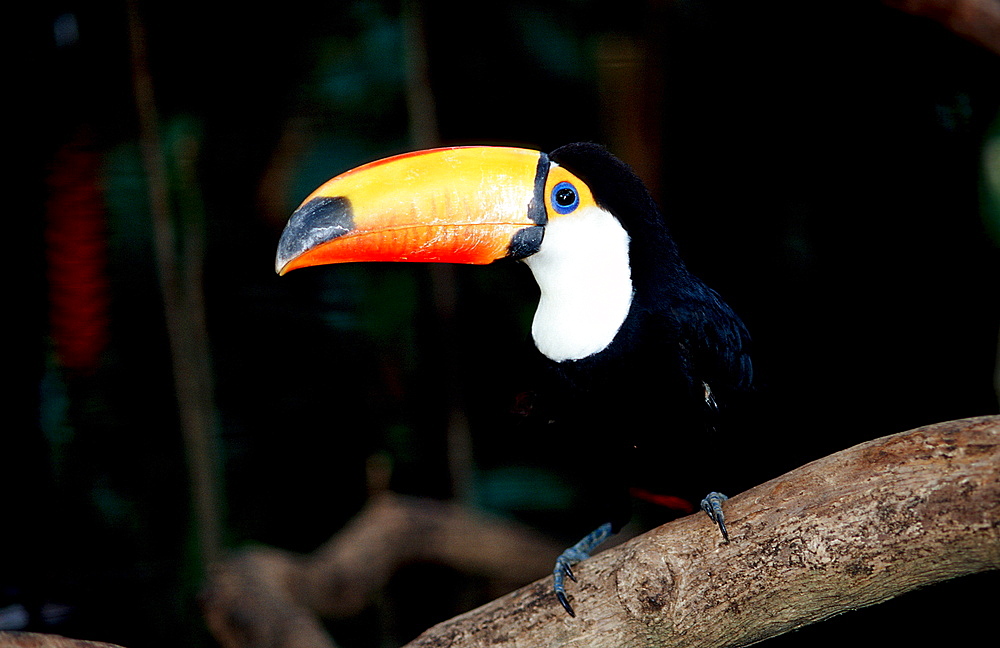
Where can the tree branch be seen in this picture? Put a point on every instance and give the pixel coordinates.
(847, 531)
(850, 530)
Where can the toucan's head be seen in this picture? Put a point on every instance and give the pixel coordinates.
(472, 204)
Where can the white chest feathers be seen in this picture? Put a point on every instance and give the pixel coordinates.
(582, 269)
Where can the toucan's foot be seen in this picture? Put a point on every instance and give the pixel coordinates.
(712, 505)
(580, 551)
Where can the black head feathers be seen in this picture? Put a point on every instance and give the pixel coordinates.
(617, 188)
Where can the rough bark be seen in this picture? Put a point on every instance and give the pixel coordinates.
(850, 530)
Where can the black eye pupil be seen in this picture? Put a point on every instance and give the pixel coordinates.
(565, 197)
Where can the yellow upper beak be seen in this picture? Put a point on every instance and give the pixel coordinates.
(458, 205)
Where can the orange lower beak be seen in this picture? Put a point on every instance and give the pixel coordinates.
(457, 205)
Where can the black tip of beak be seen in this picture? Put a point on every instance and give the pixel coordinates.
(318, 221)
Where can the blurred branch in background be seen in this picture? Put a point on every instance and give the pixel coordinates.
(424, 134)
(268, 597)
(420, 102)
(630, 77)
(179, 245)
(977, 21)
(35, 640)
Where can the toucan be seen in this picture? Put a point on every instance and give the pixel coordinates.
(628, 345)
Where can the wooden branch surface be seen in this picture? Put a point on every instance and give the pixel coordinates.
(844, 532)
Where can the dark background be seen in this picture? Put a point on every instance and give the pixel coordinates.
(821, 166)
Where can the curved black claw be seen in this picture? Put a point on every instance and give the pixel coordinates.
(712, 505)
(563, 570)
(580, 551)
(566, 606)
(568, 570)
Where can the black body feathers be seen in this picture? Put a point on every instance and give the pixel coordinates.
(679, 360)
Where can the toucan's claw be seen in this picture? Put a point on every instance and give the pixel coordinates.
(712, 505)
(559, 574)
(569, 572)
(566, 606)
(580, 551)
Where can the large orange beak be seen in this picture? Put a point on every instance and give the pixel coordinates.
(457, 205)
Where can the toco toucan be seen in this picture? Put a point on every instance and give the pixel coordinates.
(630, 345)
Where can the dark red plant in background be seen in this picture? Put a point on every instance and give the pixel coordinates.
(76, 256)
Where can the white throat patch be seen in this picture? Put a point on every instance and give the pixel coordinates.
(582, 269)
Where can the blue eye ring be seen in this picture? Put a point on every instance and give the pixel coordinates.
(564, 198)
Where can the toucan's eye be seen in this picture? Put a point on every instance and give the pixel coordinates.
(565, 198)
